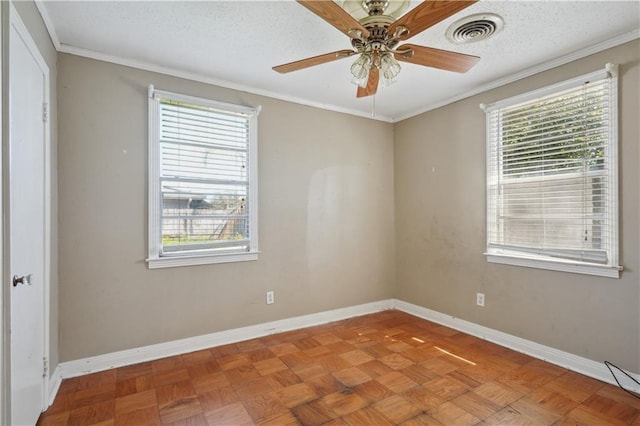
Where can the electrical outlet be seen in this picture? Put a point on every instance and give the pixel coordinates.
(270, 298)
(480, 299)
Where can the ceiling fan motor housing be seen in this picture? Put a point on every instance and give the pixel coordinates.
(379, 39)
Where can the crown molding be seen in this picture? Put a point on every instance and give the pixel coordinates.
(48, 23)
(148, 66)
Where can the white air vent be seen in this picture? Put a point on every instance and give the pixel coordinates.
(474, 28)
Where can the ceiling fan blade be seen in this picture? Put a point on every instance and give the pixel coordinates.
(315, 60)
(372, 84)
(335, 15)
(427, 14)
(435, 58)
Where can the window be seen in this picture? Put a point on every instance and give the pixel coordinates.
(552, 197)
(202, 181)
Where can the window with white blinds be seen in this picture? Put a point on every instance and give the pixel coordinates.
(552, 199)
(202, 189)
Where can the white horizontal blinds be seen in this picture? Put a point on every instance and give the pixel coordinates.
(204, 181)
(549, 175)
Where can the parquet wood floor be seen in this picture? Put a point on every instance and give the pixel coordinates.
(379, 369)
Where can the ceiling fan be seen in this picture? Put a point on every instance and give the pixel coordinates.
(376, 36)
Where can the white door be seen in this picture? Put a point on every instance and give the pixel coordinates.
(27, 171)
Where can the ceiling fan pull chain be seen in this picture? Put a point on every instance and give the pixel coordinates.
(373, 107)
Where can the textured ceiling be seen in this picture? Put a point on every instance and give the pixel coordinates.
(236, 43)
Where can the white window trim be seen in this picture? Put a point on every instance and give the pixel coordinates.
(576, 267)
(154, 260)
(518, 259)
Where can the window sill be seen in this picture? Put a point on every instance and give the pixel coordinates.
(555, 265)
(177, 261)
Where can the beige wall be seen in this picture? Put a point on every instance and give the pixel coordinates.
(325, 214)
(439, 177)
(33, 21)
(327, 188)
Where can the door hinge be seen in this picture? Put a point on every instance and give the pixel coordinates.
(45, 367)
(45, 112)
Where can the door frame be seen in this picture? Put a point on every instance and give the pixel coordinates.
(5, 402)
(10, 18)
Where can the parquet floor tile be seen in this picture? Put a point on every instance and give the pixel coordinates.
(497, 393)
(476, 405)
(396, 382)
(297, 394)
(366, 416)
(450, 414)
(373, 391)
(387, 368)
(397, 409)
(356, 357)
(351, 376)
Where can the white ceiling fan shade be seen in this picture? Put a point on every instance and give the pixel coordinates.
(390, 69)
(360, 69)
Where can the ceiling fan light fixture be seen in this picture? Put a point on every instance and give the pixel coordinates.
(390, 68)
(360, 69)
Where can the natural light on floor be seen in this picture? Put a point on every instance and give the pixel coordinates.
(455, 356)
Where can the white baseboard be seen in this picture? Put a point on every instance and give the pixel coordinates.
(55, 380)
(148, 353)
(576, 363)
(95, 364)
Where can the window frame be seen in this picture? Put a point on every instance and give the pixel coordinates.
(521, 258)
(155, 259)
